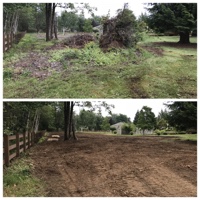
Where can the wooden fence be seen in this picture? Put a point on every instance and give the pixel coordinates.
(9, 39)
(16, 144)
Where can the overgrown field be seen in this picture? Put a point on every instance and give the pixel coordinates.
(157, 68)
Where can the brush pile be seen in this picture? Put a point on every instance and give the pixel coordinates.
(79, 40)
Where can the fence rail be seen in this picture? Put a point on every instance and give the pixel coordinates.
(16, 144)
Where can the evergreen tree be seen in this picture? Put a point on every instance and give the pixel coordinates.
(135, 121)
(177, 17)
(183, 115)
(105, 126)
(87, 25)
(162, 122)
(146, 119)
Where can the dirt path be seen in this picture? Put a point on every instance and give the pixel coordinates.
(98, 165)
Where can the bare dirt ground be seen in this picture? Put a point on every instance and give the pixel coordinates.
(100, 165)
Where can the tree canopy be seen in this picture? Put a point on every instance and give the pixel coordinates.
(28, 17)
(183, 115)
(177, 17)
(145, 119)
(53, 116)
(115, 118)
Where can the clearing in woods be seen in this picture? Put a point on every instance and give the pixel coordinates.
(101, 165)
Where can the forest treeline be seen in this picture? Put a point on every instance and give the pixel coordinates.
(174, 18)
(51, 116)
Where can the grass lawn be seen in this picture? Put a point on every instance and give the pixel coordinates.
(186, 137)
(18, 180)
(156, 68)
(189, 137)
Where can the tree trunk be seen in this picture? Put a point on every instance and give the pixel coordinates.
(71, 117)
(66, 119)
(15, 22)
(11, 22)
(37, 122)
(53, 19)
(56, 28)
(184, 38)
(51, 24)
(72, 124)
(48, 21)
(73, 130)
(27, 123)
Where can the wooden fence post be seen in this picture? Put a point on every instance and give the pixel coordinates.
(17, 144)
(6, 150)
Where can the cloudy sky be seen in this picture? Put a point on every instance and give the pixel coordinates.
(104, 6)
(129, 107)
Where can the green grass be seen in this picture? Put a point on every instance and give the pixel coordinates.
(188, 137)
(98, 132)
(149, 39)
(18, 180)
(91, 73)
(173, 75)
(168, 138)
(183, 137)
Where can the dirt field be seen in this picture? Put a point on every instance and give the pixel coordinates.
(100, 165)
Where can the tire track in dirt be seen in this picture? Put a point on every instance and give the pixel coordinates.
(105, 166)
(162, 182)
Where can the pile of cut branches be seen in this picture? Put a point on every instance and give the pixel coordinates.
(79, 40)
(119, 30)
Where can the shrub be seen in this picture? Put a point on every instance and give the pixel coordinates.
(172, 132)
(131, 132)
(112, 129)
(88, 26)
(160, 132)
(128, 128)
(191, 131)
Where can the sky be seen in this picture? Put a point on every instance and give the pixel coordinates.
(129, 107)
(103, 6)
